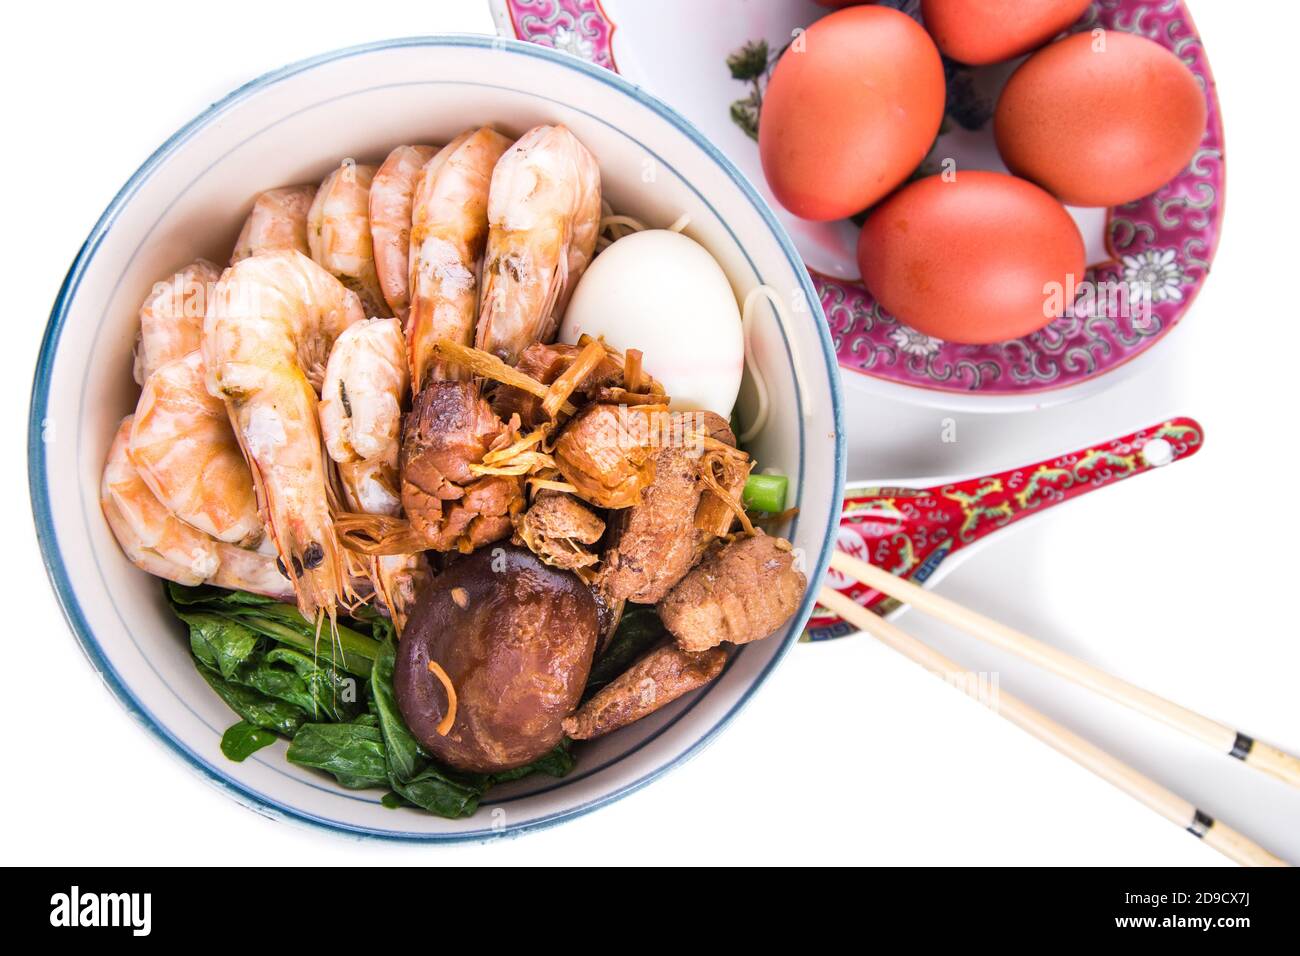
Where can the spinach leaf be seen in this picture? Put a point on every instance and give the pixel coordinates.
(443, 792)
(557, 763)
(330, 691)
(369, 617)
(242, 739)
(254, 706)
(638, 631)
(282, 623)
(451, 794)
(220, 643)
(182, 596)
(404, 753)
(353, 753)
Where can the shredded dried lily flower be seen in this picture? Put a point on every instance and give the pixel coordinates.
(717, 500)
(535, 437)
(489, 366)
(548, 484)
(632, 370)
(558, 394)
(449, 719)
(607, 395)
(523, 463)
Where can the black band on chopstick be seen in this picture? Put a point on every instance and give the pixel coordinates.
(1201, 824)
(1241, 746)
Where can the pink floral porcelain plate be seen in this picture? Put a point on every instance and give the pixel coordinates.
(712, 67)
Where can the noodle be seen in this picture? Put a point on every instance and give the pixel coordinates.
(760, 386)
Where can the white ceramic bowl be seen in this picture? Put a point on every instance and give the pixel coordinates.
(292, 126)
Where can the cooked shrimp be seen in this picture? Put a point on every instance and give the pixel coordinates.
(361, 419)
(270, 326)
(152, 537)
(243, 569)
(544, 214)
(278, 221)
(449, 228)
(157, 541)
(361, 412)
(171, 318)
(186, 452)
(392, 192)
(586, 230)
(338, 231)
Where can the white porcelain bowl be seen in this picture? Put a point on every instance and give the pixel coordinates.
(292, 126)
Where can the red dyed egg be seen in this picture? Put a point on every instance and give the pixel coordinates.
(852, 108)
(989, 31)
(1100, 120)
(983, 258)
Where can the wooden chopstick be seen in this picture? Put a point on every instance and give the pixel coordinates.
(1169, 805)
(1254, 753)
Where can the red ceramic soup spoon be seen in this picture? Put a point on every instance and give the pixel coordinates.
(916, 533)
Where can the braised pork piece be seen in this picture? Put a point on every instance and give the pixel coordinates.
(740, 591)
(560, 529)
(545, 363)
(607, 452)
(451, 427)
(652, 545)
(654, 681)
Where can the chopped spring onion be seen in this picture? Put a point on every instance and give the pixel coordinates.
(766, 493)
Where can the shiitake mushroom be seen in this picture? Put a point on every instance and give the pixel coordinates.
(515, 638)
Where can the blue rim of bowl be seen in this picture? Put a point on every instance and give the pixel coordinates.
(65, 593)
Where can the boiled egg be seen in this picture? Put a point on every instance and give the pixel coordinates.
(663, 293)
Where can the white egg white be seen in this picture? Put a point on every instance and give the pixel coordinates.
(661, 292)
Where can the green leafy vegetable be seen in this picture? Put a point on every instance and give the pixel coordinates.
(404, 754)
(281, 623)
(181, 595)
(443, 792)
(255, 707)
(218, 642)
(557, 763)
(242, 739)
(353, 753)
(321, 691)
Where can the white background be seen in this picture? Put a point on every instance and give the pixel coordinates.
(1182, 581)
